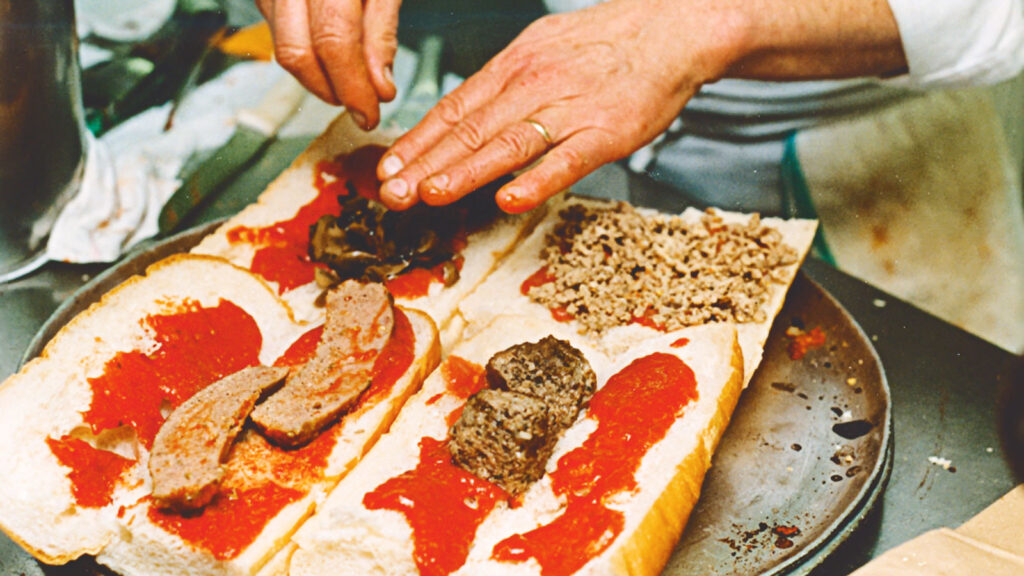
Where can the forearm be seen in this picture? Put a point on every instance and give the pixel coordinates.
(802, 40)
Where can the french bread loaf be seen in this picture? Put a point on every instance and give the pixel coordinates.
(79, 421)
(306, 191)
(350, 536)
(78, 482)
(502, 291)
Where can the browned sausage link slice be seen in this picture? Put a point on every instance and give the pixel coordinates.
(359, 323)
(190, 447)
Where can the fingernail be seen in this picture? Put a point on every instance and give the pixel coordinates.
(396, 188)
(359, 118)
(511, 198)
(439, 182)
(392, 165)
(389, 75)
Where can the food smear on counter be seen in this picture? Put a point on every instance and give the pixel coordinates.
(801, 342)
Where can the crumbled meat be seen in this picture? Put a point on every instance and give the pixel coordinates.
(190, 447)
(359, 322)
(506, 432)
(505, 437)
(550, 369)
(614, 266)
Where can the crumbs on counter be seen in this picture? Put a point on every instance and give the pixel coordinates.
(944, 463)
(784, 536)
(803, 341)
(844, 455)
(784, 386)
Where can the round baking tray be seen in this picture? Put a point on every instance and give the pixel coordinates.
(786, 486)
(807, 454)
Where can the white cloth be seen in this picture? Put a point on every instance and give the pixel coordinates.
(956, 43)
(947, 42)
(132, 170)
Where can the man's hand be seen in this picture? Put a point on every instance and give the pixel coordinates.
(341, 50)
(577, 90)
(580, 89)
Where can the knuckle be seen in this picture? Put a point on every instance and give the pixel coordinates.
(572, 161)
(385, 39)
(451, 109)
(292, 58)
(516, 144)
(423, 168)
(336, 41)
(469, 134)
(469, 175)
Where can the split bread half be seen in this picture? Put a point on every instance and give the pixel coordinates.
(347, 536)
(306, 191)
(78, 421)
(501, 292)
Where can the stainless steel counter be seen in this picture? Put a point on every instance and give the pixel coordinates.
(944, 384)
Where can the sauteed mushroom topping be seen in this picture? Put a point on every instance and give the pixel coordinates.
(371, 243)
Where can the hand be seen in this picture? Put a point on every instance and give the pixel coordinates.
(589, 87)
(580, 89)
(341, 50)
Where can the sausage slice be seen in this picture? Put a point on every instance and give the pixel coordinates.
(190, 447)
(359, 323)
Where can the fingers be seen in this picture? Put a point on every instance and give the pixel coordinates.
(494, 132)
(562, 167)
(266, 8)
(442, 118)
(293, 47)
(515, 147)
(380, 42)
(336, 31)
(339, 52)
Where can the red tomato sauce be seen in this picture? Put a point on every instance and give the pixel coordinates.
(634, 410)
(803, 342)
(94, 473)
(540, 278)
(194, 347)
(393, 360)
(415, 283)
(282, 255)
(680, 343)
(647, 319)
(462, 378)
(443, 504)
(228, 524)
(261, 478)
(303, 349)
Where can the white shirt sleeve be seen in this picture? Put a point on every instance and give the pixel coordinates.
(960, 42)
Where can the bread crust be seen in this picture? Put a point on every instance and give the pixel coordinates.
(648, 549)
(497, 260)
(119, 533)
(293, 189)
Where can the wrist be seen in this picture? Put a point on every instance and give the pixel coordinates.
(710, 37)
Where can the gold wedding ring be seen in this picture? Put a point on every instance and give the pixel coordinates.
(542, 130)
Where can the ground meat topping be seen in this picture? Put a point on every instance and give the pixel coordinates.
(613, 266)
